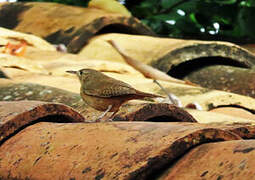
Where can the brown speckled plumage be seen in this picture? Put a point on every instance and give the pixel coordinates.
(105, 93)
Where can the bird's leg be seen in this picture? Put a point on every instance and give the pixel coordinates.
(110, 118)
(104, 113)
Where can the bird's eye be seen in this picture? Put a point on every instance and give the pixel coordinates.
(79, 73)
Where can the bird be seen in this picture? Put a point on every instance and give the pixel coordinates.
(105, 93)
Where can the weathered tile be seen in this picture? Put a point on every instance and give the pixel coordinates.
(14, 37)
(210, 117)
(116, 150)
(11, 91)
(70, 25)
(131, 111)
(235, 111)
(156, 112)
(167, 53)
(246, 131)
(221, 160)
(15, 115)
(231, 78)
(216, 65)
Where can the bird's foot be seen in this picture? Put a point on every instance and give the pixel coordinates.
(110, 120)
(104, 119)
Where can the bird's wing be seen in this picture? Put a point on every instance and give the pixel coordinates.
(111, 89)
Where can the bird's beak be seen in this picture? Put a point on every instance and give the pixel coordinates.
(72, 72)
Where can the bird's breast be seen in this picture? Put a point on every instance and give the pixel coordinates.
(102, 103)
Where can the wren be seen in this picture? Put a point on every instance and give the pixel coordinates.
(104, 93)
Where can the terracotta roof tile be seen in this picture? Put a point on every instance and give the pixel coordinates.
(116, 150)
(222, 160)
(10, 91)
(209, 117)
(236, 111)
(156, 112)
(72, 26)
(246, 131)
(15, 115)
(128, 112)
(48, 140)
(215, 65)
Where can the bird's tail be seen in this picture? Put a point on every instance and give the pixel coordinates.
(142, 95)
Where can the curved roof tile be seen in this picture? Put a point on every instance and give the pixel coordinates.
(118, 150)
(15, 115)
(222, 160)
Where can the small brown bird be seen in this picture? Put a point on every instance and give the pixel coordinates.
(105, 93)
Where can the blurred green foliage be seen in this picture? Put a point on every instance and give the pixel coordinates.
(231, 20)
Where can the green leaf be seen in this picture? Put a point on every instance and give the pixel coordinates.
(165, 4)
(226, 1)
